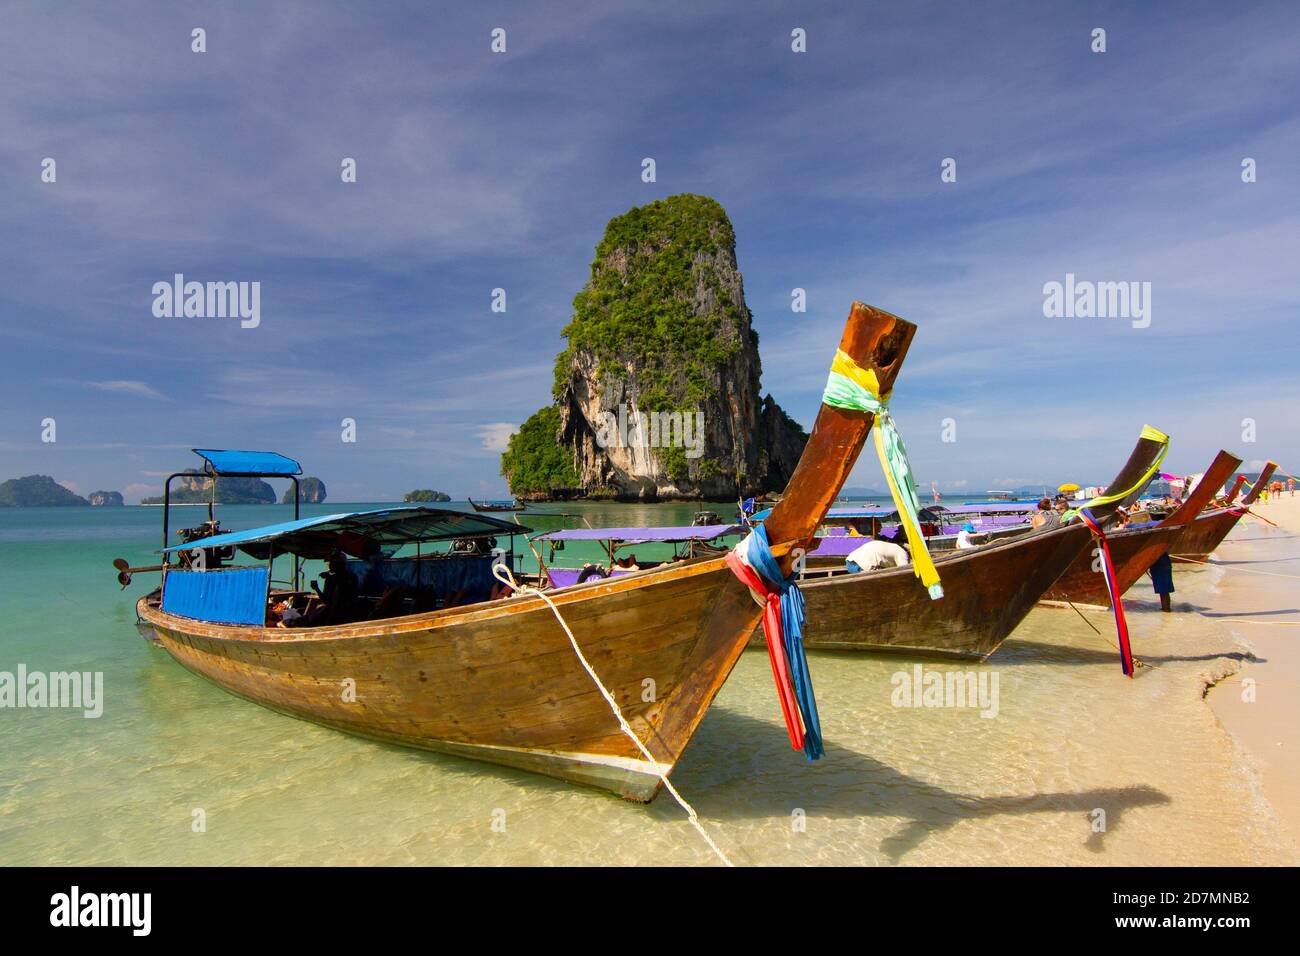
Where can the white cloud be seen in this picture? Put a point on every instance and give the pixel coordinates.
(496, 435)
(130, 387)
(133, 492)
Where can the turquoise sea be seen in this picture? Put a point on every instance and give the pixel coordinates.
(898, 785)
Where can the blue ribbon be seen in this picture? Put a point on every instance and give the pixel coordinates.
(759, 554)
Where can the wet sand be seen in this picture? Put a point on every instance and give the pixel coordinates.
(1256, 597)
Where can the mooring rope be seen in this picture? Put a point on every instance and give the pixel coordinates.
(502, 573)
(1229, 567)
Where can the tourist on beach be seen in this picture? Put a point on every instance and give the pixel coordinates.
(1290, 486)
(877, 554)
(1162, 579)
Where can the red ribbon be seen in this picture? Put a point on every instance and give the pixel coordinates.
(774, 634)
(1117, 606)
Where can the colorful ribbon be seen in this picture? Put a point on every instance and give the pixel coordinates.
(1112, 588)
(753, 563)
(1150, 434)
(852, 387)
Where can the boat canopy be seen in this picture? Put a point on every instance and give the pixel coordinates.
(354, 532)
(668, 535)
(247, 464)
(988, 507)
(873, 511)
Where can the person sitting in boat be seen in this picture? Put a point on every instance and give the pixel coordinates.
(627, 564)
(877, 554)
(338, 598)
(964, 536)
(1046, 517)
(864, 528)
(1122, 520)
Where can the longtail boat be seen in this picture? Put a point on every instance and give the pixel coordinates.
(499, 680)
(493, 507)
(1206, 530)
(1134, 549)
(987, 590)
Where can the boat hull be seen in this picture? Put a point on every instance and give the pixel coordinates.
(1132, 553)
(987, 593)
(1201, 536)
(502, 684)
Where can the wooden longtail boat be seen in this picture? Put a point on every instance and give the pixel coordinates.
(987, 590)
(1205, 531)
(491, 508)
(1133, 550)
(498, 681)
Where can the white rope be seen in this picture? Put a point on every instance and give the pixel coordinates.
(1230, 567)
(502, 573)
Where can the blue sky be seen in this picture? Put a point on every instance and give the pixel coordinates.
(479, 170)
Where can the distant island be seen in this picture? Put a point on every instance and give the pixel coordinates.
(39, 491)
(311, 491)
(195, 489)
(425, 494)
(106, 499)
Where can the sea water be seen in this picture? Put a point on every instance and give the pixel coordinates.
(1079, 766)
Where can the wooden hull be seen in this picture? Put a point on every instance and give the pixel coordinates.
(502, 684)
(1201, 536)
(1132, 553)
(987, 593)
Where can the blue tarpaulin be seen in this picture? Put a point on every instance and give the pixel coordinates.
(231, 596)
(269, 463)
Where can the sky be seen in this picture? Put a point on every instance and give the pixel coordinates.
(479, 170)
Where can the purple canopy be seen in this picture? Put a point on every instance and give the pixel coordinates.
(706, 532)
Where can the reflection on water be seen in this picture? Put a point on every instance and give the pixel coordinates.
(1073, 741)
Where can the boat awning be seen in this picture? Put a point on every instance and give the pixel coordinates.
(871, 511)
(353, 532)
(247, 464)
(988, 507)
(669, 535)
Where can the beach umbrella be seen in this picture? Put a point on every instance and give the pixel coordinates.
(1068, 487)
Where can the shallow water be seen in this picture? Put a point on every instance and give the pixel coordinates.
(898, 784)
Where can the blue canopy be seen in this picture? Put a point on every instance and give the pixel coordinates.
(318, 536)
(248, 464)
(667, 535)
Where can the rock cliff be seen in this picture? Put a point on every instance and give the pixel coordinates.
(658, 393)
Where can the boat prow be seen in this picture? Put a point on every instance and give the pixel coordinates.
(987, 590)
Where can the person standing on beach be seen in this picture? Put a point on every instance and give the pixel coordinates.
(1162, 580)
(1290, 486)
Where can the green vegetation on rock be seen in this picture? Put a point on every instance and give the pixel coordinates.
(638, 307)
(425, 494)
(230, 491)
(535, 462)
(37, 491)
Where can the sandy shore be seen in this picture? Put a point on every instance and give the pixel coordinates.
(1256, 597)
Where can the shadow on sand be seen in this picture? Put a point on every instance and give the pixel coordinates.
(851, 784)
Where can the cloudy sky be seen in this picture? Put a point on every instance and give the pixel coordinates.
(478, 170)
